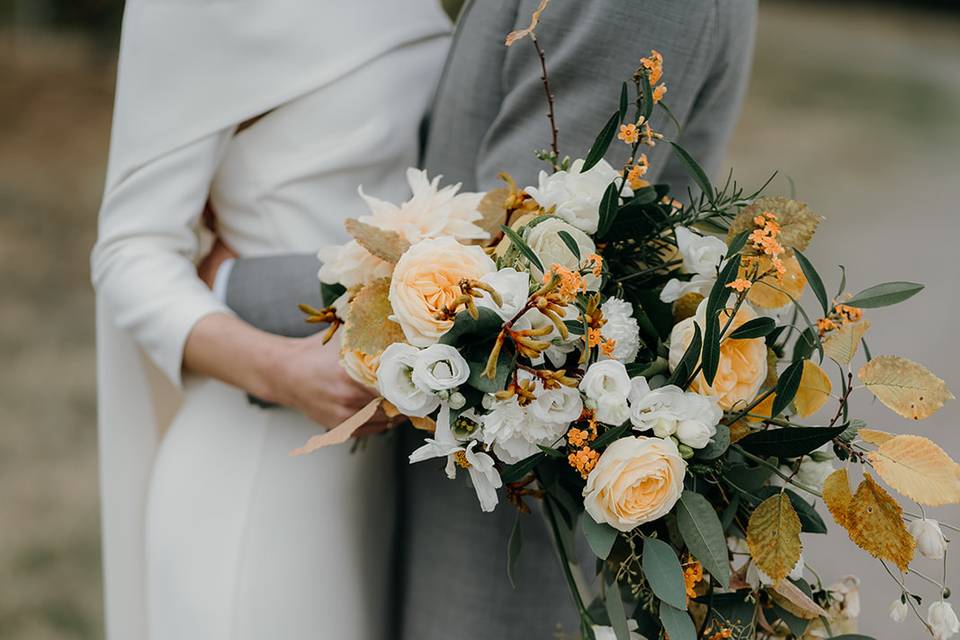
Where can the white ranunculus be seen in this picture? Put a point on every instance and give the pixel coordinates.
(612, 409)
(814, 473)
(701, 254)
(622, 328)
(514, 433)
(607, 385)
(545, 241)
(395, 381)
(351, 265)
(899, 610)
(483, 474)
(676, 289)
(513, 287)
(695, 434)
(931, 542)
(556, 405)
(943, 620)
(576, 195)
(431, 212)
(440, 367)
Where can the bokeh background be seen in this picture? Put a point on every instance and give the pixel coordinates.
(857, 103)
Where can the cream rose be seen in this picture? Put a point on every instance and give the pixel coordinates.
(544, 238)
(575, 194)
(425, 282)
(636, 480)
(743, 363)
(361, 366)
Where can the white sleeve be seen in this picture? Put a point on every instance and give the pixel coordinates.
(143, 263)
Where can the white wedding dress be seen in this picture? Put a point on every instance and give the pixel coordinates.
(213, 532)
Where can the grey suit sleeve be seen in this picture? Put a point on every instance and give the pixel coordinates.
(266, 292)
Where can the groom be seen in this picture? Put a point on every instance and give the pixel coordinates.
(489, 116)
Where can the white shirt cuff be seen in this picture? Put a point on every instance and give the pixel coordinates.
(221, 279)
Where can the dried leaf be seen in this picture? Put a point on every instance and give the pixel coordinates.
(790, 597)
(367, 328)
(874, 437)
(841, 345)
(494, 212)
(814, 390)
(519, 34)
(739, 430)
(905, 387)
(386, 245)
(424, 424)
(875, 524)
(837, 496)
(797, 222)
(919, 469)
(772, 375)
(772, 292)
(773, 535)
(342, 432)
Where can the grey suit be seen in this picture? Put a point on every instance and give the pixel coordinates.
(489, 117)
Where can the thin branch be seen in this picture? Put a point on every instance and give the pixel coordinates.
(551, 114)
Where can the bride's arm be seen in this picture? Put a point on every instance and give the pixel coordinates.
(143, 269)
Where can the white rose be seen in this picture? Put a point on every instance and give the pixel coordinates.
(636, 480)
(440, 367)
(545, 241)
(943, 620)
(656, 409)
(612, 409)
(701, 254)
(899, 610)
(556, 405)
(576, 195)
(514, 433)
(622, 328)
(695, 434)
(395, 381)
(607, 385)
(931, 542)
(513, 287)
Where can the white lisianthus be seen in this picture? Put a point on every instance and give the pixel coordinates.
(480, 466)
(607, 385)
(701, 257)
(562, 405)
(943, 620)
(814, 472)
(931, 542)
(607, 633)
(545, 241)
(620, 327)
(670, 411)
(676, 289)
(575, 195)
(431, 212)
(395, 381)
(514, 433)
(439, 367)
(513, 287)
(898, 610)
(351, 265)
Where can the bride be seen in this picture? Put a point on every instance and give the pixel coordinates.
(271, 113)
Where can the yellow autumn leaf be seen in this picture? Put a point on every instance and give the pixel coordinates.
(837, 496)
(739, 430)
(874, 437)
(773, 292)
(686, 306)
(814, 389)
(773, 536)
(772, 376)
(797, 222)
(367, 328)
(905, 387)
(919, 469)
(875, 524)
(841, 345)
(383, 243)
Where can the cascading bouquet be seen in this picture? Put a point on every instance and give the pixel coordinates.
(593, 343)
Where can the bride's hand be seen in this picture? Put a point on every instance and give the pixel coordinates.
(309, 378)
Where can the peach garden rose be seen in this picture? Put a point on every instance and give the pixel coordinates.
(636, 480)
(425, 281)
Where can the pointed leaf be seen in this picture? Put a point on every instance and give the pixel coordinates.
(695, 171)
(875, 524)
(813, 278)
(522, 245)
(623, 101)
(773, 536)
(609, 205)
(884, 295)
(800, 604)
(600, 536)
(703, 534)
(688, 362)
(602, 143)
(837, 496)
(875, 437)
(716, 301)
(789, 442)
(663, 572)
(677, 623)
(787, 387)
(737, 243)
(571, 243)
(756, 328)
(618, 617)
(841, 345)
(814, 390)
(919, 469)
(905, 387)
(514, 546)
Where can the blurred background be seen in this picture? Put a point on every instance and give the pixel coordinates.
(858, 104)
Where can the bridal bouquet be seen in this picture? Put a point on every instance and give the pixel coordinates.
(643, 368)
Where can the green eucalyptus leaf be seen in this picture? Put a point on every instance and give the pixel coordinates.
(663, 572)
(602, 143)
(677, 622)
(616, 613)
(717, 446)
(703, 534)
(600, 536)
(884, 295)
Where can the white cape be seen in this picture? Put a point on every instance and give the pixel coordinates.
(189, 68)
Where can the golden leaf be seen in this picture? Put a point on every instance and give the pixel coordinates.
(494, 212)
(919, 469)
(814, 390)
(739, 430)
(686, 306)
(773, 535)
(875, 524)
(386, 245)
(905, 387)
(841, 345)
(519, 34)
(873, 436)
(797, 222)
(424, 424)
(790, 597)
(772, 376)
(772, 292)
(367, 328)
(837, 496)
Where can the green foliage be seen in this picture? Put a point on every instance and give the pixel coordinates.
(787, 385)
(688, 362)
(756, 328)
(884, 295)
(703, 534)
(677, 622)
(814, 280)
(663, 572)
(514, 546)
(616, 613)
(716, 302)
(602, 143)
(789, 442)
(522, 246)
(600, 536)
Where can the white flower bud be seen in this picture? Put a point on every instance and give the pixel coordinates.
(943, 620)
(930, 540)
(898, 610)
(457, 400)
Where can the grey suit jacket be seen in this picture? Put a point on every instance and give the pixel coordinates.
(489, 116)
